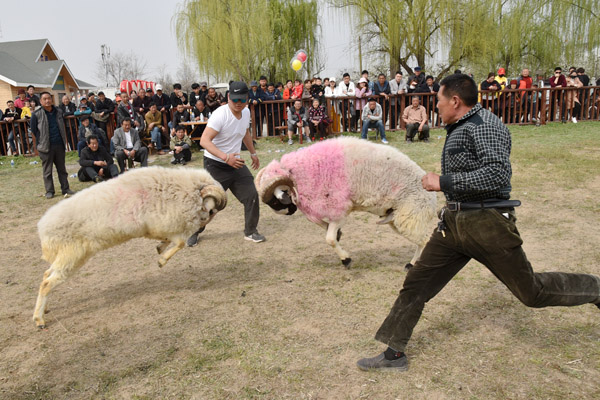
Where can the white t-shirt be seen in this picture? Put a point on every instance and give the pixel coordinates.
(231, 130)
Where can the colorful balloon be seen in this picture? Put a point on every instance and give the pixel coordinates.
(302, 56)
(296, 65)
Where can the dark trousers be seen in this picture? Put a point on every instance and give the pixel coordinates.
(412, 129)
(87, 174)
(141, 156)
(320, 128)
(493, 240)
(185, 154)
(55, 156)
(241, 183)
(394, 114)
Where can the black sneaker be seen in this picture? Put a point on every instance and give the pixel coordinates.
(68, 193)
(49, 195)
(381, 363)
(255, 237)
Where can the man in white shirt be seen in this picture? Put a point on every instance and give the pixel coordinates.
(128, 145)
(346, 107)
(222, 141)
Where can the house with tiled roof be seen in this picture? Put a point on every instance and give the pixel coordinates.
(36, 62)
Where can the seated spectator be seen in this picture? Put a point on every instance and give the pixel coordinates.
(104, 107)
(178, 96)
(126, 110)
(163, 103)
(213, 100)
(180, 115)
(11, 115)
(142, 103)
(289, 90)
(86, 129)
(21, 99)
(372, 116)
(155, 128)
(431, 87)
(181, 145)
(362, 93)
(96, 163)
(296, 120)
(83, 108)
(415, 118)
(317, 120)
(199, 112)
(128, 145)
(31, 95)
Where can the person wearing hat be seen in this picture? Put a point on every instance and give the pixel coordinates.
(83, 110)
(372, 116)
(222, 140)
(418, 75)
(21, 99)
(501, 78)
(162, 101)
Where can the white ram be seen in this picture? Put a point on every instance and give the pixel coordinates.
(157, 203)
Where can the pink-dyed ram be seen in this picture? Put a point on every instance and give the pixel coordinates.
(330, 179)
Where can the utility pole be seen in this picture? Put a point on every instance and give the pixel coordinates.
(360, 68)
(105, 51)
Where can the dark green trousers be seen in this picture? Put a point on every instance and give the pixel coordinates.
(492, 239)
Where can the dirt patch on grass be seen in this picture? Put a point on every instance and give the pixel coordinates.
(283, 319)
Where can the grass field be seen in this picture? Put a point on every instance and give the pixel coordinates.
(229, 319)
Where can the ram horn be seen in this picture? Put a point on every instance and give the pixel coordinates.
(216, 194)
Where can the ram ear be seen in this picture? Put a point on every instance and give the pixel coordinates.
(216, 194)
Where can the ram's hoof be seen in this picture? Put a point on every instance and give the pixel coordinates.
(339, 235)
(408, 266)
(347, 262)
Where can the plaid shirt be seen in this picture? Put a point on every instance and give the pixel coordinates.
(476, 158)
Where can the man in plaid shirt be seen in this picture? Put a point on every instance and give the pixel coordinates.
(477, 222)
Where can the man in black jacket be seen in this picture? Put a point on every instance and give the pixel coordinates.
(126, 110)
(104, 106)
(12, 114)
(178, 96)
(68, 108)
(96, 163)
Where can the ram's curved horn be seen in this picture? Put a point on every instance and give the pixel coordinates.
(267, 188)
(217, 194)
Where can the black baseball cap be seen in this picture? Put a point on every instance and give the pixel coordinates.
(238, 90)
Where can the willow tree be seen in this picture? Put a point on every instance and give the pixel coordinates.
(246, 39)
(408, 31)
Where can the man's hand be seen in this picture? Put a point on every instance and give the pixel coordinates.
(255, 162)
(101, 172)
(127, 152)
(132, 154)
(151, 126)
(137, 124)
(100, 163)
(234, 161)
(431, 182)
(178, 149)
(102, 114)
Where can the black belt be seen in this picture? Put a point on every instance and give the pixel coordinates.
(474, 205)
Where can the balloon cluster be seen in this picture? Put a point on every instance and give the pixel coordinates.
(298, 60)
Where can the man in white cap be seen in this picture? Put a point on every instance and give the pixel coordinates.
(222, 141)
